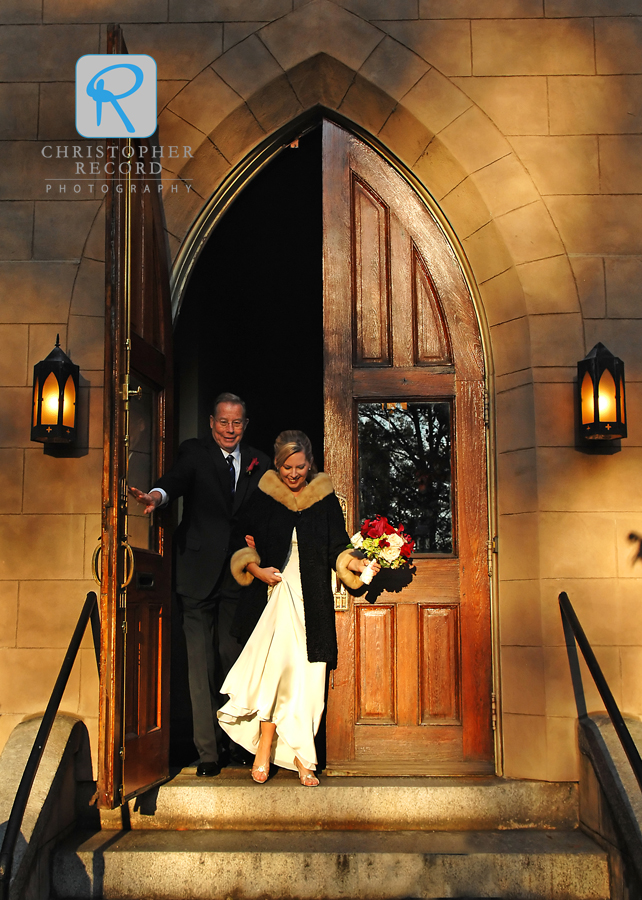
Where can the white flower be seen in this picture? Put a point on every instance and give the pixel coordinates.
(356, 540)
(391, 553)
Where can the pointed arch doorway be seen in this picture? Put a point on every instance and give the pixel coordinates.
(377, 354)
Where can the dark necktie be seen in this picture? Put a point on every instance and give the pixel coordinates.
(230, 462)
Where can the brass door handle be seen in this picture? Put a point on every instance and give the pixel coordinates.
(129, 555)
(94, 562)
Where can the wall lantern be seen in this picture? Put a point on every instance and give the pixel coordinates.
(600, 379)
(55, 389)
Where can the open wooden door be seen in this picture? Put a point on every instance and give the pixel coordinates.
(135, 569)
(405, 437)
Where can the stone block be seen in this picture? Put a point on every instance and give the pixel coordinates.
(590, 597)
(524, 746)
(549, 286)
(561, 165)
(42, 340)
(517, 482)
(227, 10)
(511, 346)
(61, 229)
(88, 298)
(20, 12)
(442, 43)
(623, 287)
(275, 105)
(599, 224)
(515, 419)
(34, 290)
(93, 533)
(629, 565)
(14, 367)
(620, 164)
(405, 135)
(28, 677)
(566, 8)
(474, 140)
(205, 101)
(520, 621)
(235, 32)
(623, 337)
(578, 481)
(555, 413)
(320, 27)
(180, 211)
(91, 409)
(30, 543)
(18, 111)
(73, 483)
(33, 53)
(618, 46)
(504, 185)
(180, 51)
(487, 253)
(529, 233)
(518, 560)
(366, 105)
(590, 281)
(86, 341)
(631, 682)
(176, 132)
(470, 9)
(16, 229)
(49, 611)
(516, 105)
(377, 9)
(206, 170)
(577, 545)
(630, 633)
(562, 750)
(321, 80)
(247, 67)
(523, 689)
(237, 134)
(503, 297)
(89, 683)
(15, 417)
(25, 174)
(435, 101)
(8, 613)
(560, 699)
(57, 112)
(438, 169)
(166, 91)
(95, 246)
(556, 340)
(600, 104)
(11, 468)
(535, 47)
(101, 11)
(634, 414)
(465, 209)
(393, 68)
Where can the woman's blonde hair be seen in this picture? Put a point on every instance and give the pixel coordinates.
(289, 442)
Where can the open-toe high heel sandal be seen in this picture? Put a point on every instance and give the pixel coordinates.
(306, 777)
(260, 773)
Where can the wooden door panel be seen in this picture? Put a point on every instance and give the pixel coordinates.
(376, 665)
(439, 672)
(370, 230)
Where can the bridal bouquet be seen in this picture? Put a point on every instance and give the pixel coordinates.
(381, 542)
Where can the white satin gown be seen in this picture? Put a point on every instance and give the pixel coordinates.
(272, 680)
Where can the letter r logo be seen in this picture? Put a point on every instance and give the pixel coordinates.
(115, 95)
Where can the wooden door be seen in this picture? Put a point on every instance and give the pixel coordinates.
(405, 431)
(135, 571)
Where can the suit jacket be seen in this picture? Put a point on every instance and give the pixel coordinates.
(201, 476)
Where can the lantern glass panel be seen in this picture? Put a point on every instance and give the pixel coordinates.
(606, 398)
(50, 399)
(35, 404)
(69, 404)
(588, 403)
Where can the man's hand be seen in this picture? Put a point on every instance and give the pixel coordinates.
(151, 500)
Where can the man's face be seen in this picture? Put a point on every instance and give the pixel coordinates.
(228, 425)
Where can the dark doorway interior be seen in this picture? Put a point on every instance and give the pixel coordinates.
(251, 322)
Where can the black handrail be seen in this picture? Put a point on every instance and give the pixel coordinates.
(577, 634)
(14, 824)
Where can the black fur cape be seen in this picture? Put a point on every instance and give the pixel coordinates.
(271, 515)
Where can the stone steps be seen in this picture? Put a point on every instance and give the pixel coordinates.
(268, 865)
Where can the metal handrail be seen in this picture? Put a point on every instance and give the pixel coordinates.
(14, 824)
(569, 618)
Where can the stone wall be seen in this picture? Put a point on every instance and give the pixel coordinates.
(522, 118)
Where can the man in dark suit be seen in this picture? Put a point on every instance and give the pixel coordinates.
(215, 476)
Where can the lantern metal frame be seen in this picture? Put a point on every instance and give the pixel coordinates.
(601, 395)
(55, 398)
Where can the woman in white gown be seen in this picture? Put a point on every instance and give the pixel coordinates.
(277, 685)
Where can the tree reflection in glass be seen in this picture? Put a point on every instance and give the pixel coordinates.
(405, 469)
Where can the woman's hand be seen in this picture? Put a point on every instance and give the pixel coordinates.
(269, 575)
(358, 565)
(249, 540)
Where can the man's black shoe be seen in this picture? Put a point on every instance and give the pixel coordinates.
(208, 770)
(240, 757)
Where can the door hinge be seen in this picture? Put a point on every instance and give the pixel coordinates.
(122, 755)
(493, 711)
(124, 626)
(121, 793)
(486, 409)
(493, 548)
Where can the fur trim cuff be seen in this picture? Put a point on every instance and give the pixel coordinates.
(347, 576)
(239, 563)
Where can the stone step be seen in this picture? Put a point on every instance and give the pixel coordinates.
(260, 865)
(232, 801)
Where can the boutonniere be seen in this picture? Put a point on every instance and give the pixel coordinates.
(251, 466)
